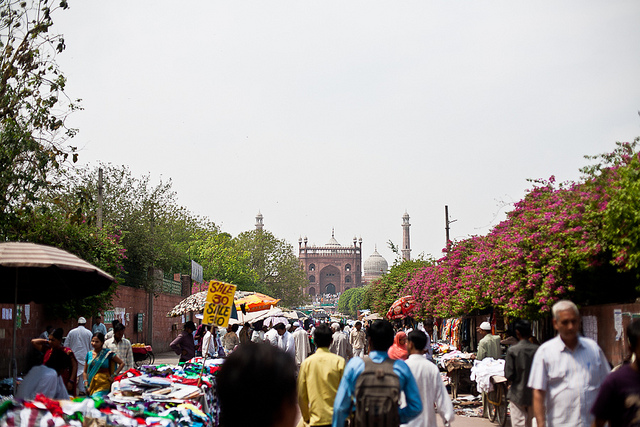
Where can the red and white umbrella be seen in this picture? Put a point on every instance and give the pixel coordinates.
(401, 308)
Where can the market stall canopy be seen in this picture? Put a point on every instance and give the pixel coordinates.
(254, 316)
(40, 273)
(373, 316)
(255, 302)
(401, 308)
(274, 320)
(195, 303)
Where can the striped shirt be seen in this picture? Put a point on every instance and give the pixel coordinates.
(570, 378)
(123, 350)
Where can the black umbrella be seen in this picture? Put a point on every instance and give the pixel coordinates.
(39, 273)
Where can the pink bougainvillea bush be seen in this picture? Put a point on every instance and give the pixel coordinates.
(528, 261)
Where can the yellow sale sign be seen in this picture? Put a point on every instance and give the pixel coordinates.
(217, 308)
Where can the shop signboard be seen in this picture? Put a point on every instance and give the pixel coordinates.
(217, 308)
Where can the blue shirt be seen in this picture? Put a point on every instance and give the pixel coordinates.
(342, 405)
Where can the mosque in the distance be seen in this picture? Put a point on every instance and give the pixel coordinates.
(333, 268)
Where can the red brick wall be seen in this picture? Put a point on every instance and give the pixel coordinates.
(132, 300)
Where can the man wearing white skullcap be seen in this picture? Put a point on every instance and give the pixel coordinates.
(489, 345)
(301, 339)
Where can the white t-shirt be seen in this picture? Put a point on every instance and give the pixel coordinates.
(42, 379)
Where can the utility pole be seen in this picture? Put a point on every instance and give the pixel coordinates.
(446, 223)
(100, 187)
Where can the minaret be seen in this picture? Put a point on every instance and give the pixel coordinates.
(259, 224)
(406, 245)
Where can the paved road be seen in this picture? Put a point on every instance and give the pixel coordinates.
(460, 421)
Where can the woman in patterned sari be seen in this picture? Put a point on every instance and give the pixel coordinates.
(54, 343)
(101, 367)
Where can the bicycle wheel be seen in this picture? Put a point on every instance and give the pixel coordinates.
(491, 407)
(142, 360)
(501, 408)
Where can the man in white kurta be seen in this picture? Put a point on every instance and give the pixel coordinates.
(79, 340)
(430, 385)
(301, 340)
(285, 340)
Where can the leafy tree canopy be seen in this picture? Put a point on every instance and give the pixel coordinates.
(33, 107)
(351, 301)
(276, 265)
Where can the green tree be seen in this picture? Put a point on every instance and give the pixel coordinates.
(53, 224)
(156, 229)
(351, 301)
(618, 175)
(223, 260)
(33, 109)
(384, 291)
(276, 265)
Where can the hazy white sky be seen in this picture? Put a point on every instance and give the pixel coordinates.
(345, 114)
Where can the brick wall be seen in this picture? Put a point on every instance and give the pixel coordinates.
(131, 299)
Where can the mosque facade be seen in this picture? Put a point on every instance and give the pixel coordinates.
(331, 268)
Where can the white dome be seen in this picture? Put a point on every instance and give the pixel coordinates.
(333, 241)
(375, 265)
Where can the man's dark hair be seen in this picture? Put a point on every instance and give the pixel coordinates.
(358, 323)
(234, 328)
(271, 375)
(58, 334)
(523, 326)
(190, 325)
(280, 326)
(381, 335)
(633, 333)
(119, 327)
(418, 338)
(322, 336)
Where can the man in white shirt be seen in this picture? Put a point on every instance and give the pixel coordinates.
(430, 385)
(79, 341)
(358, 340)
(211, 344)
(301, 340)
(45, 379)
(271, 335)
(566, 373)
(285, 340)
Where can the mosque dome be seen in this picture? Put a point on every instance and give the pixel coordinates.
(375, 265)
(332, 241)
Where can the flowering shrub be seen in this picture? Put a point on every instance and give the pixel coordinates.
(528, 261)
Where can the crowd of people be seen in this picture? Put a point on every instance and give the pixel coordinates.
(362, 375)
(85, 365)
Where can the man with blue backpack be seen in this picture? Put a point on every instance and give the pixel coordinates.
(374, 384)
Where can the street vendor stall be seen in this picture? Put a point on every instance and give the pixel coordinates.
(458, 366)
(162, 395)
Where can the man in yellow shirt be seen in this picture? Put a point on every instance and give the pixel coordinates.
(318, 381)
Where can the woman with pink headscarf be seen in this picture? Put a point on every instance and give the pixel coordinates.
(398, 350)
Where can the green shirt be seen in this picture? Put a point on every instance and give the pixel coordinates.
(318, 382)
(489, 346)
